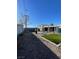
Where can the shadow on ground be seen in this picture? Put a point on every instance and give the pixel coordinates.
(32, 48)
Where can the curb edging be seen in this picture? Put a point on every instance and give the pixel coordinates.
(52, 46)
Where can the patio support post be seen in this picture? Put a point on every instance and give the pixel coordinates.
(56, 29)
(48, 29)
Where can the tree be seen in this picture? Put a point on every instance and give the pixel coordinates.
(51, 24)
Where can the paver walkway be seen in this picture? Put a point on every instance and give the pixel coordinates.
(33, 48)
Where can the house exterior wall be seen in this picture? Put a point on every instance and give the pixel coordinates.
(49, 28)
(19, 28)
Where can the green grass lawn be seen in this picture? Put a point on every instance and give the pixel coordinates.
(56, 38)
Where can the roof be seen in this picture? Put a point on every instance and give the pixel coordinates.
(49, 25)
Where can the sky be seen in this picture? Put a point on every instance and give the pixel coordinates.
(40, 11)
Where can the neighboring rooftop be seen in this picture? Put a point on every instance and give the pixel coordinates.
(51, 25)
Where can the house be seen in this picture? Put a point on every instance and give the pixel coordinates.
(19, 28)
(49, 28)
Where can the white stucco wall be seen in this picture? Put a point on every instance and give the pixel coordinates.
(19, 28)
